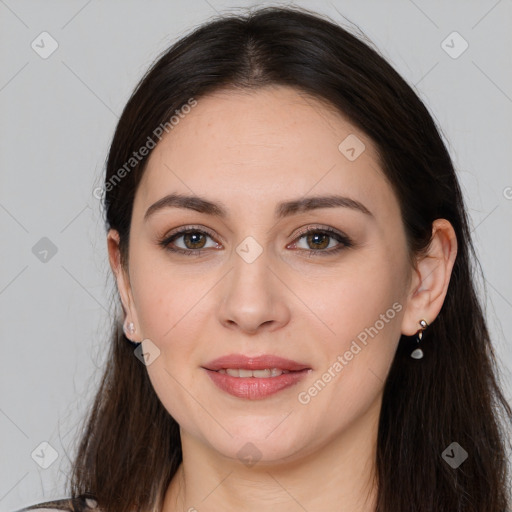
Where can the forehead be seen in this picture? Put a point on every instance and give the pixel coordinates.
(260, 146)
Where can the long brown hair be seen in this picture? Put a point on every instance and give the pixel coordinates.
(129, 448)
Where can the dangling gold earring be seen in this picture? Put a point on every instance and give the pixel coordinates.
(417, 353)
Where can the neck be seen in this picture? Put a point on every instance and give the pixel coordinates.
(341, 472)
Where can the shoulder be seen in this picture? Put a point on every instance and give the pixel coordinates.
(78, 504)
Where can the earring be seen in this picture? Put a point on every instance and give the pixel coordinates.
(129, 327)
(417, 353)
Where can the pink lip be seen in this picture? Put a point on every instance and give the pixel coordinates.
(254, 363)
(254, 388)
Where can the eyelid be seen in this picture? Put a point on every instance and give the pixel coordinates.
(342, 239)
(184, 229)
(318, 227)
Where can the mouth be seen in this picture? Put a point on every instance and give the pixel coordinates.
(258, 374)
(255, 378)
(266, 362)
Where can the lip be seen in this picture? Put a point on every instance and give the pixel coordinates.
(253, 388)
(255, 363)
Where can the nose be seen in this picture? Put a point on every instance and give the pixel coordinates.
(253, 297)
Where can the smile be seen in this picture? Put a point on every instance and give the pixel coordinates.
(259, 374)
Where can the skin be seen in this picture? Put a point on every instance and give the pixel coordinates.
(250, 151)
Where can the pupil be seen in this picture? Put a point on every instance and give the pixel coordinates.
(194, 239)
(315, 238)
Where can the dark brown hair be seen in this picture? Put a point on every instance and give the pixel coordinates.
(130, 446)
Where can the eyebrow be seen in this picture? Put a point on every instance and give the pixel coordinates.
(284, 209)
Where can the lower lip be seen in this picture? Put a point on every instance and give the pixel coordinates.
(254, 388)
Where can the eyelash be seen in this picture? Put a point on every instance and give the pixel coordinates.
(345, 241)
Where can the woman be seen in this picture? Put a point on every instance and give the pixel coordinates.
(292, 255)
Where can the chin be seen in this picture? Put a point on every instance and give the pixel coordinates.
(251, 445)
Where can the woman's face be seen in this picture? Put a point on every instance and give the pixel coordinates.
(254, 284)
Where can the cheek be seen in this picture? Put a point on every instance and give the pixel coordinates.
(363, 313)
(170, 311)
(164, 297)
(352, 297)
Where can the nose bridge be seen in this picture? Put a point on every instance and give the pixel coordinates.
(250, 278)
(252, 294)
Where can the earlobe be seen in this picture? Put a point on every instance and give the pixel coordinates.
(431, 279)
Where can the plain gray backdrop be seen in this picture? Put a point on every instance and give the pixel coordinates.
(58, 114)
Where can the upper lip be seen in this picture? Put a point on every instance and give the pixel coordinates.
(262, 362)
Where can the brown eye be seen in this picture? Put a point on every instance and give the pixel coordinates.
(194, 240)
(318, 240)
(188, 241)
(325, 241)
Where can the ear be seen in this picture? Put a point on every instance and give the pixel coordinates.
(431, 277)
(123, 281)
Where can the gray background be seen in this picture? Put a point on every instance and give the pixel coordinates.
(57, 118)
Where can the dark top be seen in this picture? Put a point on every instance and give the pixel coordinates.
(78, 504)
